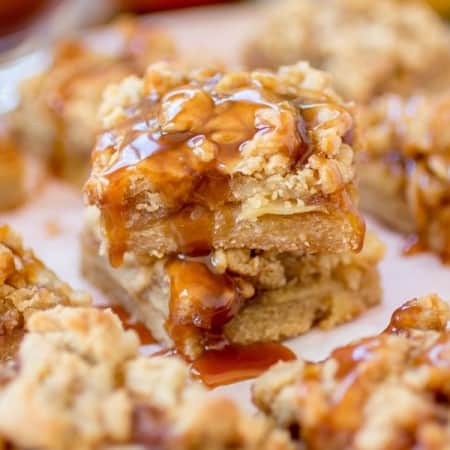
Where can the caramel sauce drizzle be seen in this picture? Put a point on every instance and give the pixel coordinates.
(189, 169)
(234, 363)
(201, 302)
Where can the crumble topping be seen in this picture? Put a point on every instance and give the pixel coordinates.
(280, 143)
(369, 47)
(82, 385)
(384, 392)
(409, 138)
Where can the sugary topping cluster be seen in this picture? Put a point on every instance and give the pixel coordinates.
(249, 123)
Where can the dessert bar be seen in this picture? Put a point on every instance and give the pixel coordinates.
(385, 392)
(226, 206)
(207, 159)
(236, 296)
(369, 47)
(405, 172)
(66, 96)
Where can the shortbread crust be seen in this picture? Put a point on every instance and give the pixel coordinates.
(249, 296)
(12, 172)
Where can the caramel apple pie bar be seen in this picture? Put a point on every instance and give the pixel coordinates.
(225, 203)
(77, 382)
(57, 115)
(369, 47)
(386, 392)
(207, 159)
(405, 172)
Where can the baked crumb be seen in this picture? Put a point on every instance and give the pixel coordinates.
(52, 227)
(384, 392)
(369, 47)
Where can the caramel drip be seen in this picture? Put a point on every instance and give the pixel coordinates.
(414, 245)
(129, 323)
(201, 303)
(234, 363)
(427, 195)
(186, 168)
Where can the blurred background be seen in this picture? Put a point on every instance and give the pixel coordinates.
(27, 24)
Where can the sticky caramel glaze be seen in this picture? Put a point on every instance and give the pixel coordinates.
(129, 323)
(201, 303)
(190, 170)
(234, 363)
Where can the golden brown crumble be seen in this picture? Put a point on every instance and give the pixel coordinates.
(408, 148)
(267, 143)
(369, 47)
(81, 385)
(384, 392)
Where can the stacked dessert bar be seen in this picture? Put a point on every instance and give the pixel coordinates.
(223, 206)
